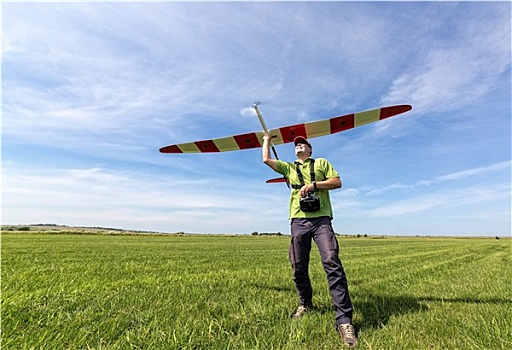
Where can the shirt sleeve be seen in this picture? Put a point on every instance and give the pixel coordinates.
(283, 168)
(328, 169)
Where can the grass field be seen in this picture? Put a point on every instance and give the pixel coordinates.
(63, 291)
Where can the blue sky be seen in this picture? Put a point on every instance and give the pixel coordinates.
(91, 91)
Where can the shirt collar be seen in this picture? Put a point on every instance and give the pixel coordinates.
(307, 160)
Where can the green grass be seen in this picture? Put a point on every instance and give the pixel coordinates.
(62, 291)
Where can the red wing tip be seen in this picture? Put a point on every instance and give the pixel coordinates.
(170, 149)
(391, 111)
(399, 108)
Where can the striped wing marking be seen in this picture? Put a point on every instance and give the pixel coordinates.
(288, 133)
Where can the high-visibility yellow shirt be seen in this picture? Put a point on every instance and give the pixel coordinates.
(323, 170)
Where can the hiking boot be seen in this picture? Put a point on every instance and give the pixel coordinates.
(348, 334)
(301, 310)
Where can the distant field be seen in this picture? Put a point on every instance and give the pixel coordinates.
(69, 291)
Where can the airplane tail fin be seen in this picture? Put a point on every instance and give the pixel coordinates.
(277, 180)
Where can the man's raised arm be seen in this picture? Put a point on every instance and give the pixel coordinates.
(265, 150)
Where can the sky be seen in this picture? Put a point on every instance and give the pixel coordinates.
(92, 90)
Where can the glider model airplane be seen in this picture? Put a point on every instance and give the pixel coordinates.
(286, 134)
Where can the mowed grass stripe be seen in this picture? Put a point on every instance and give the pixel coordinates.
(441, 285)
(218, 292)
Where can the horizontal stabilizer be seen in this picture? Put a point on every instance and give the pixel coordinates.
(276, 180)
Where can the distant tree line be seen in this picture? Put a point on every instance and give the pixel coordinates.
(256, 233)
(22, 228)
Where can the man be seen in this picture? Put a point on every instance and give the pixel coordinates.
(310, 222)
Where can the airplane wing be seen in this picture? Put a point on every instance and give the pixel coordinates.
(288, 133)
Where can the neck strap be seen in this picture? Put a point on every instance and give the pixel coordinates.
(301, 177)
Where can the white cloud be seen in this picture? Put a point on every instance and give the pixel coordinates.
(126, 199)
(442, 201)
(501, 167)
(457, 70)
(469, 202)
(497, 168)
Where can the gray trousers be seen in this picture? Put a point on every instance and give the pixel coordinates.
(303, 231)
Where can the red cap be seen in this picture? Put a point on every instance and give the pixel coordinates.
(301, 139)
